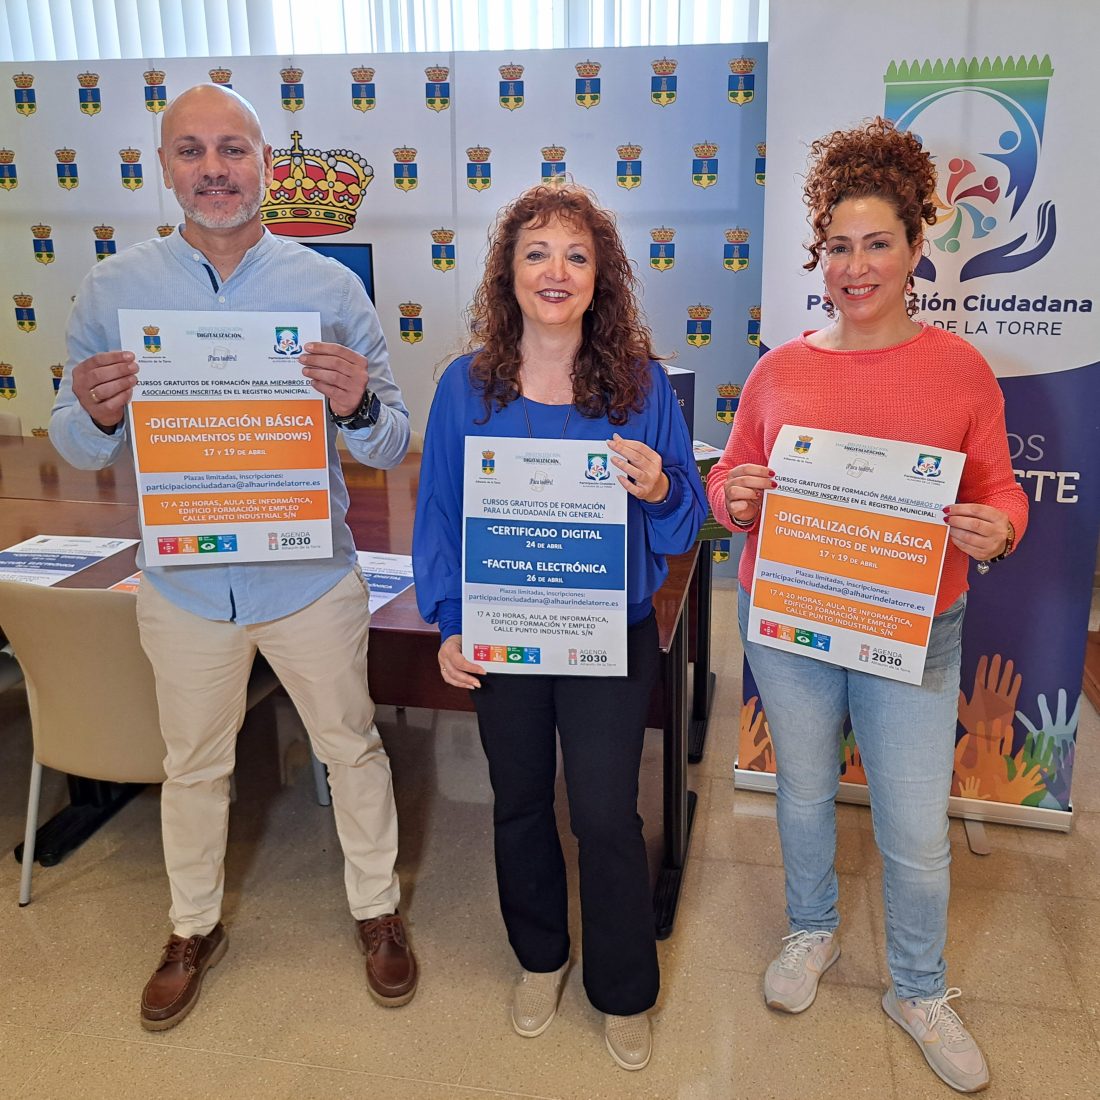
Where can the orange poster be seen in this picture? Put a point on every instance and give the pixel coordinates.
(851, 549)
(229, 437)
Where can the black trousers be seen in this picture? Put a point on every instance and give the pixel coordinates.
(601, 722)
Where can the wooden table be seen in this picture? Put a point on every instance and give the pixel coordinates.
(41, 494)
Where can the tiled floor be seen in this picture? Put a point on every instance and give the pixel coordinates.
(286, 1014)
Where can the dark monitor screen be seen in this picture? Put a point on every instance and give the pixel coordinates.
(358, 257)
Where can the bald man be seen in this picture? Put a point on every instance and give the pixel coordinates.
(202, 625)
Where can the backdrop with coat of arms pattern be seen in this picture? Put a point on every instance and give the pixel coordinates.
(413, 155)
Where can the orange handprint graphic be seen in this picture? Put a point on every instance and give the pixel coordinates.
(984, 763)
(993, 698)
(755, 753)
(971, 788)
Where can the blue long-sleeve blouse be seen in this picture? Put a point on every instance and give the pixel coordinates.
(653, 530)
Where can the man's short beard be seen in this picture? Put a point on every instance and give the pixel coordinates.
(209, 220)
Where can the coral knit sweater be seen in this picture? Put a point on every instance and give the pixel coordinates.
(933, 390)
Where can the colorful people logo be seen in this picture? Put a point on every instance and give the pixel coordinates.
(928, 466)
(596, 469)
(286, 341)
(983, 121)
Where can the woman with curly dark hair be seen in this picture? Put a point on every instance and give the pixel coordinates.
(875, 371)
(558, 350)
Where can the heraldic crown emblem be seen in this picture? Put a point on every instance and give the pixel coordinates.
(314, 192)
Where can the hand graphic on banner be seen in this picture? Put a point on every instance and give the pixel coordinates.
(984, 760)
(993, 697)
(1059, 726)
(851, 764)
(972, 788)
(756, 741)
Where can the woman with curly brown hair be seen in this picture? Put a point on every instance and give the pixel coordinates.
(878, 372)
(559, 351)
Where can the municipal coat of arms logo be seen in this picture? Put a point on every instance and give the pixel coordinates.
(488, 462)
(25, 102)
(742, 81)
(88, 94)
(292, 92)
(553, 164)
(7, 382)
(412, 325)
(698, 326)
(68, 175)
(221, 76)
(405, 168)
(443, 249)
(735, 254)
(662, 85)
(24, 312)
(752, 333)
(760, 162)
(437, 91)
(729, 397)
(43, 244)
(628, 168)
(510, 95)
(588, 84)
(363, 97)
(479, 172)
(156, 93)
(9, 176)
(131, 168)
(802, 444)
(104, 241)
(704, 165)
(662, 252)
(151, 338)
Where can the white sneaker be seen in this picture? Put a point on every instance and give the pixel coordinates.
(942, 1038)
(629, 1039)
(535, 1000)
(790, 982)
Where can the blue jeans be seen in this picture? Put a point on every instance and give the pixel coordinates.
(906, 737)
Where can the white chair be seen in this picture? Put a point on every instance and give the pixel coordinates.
(91, 691)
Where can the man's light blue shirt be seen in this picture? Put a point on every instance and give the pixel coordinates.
(276, 274)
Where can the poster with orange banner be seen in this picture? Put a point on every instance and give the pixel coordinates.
(229, 437)
(851, 549)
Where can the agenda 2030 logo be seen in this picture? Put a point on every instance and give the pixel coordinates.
(983, 122)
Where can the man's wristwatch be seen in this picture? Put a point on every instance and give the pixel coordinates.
(366, 416)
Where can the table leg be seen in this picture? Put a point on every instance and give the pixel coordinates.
(679, 802)
(91, 803)
(703, 680)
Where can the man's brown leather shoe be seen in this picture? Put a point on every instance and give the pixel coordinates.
(391, 966)
(175, 985)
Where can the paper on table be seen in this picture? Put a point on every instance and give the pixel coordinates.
(46, 559)
(387, 575)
